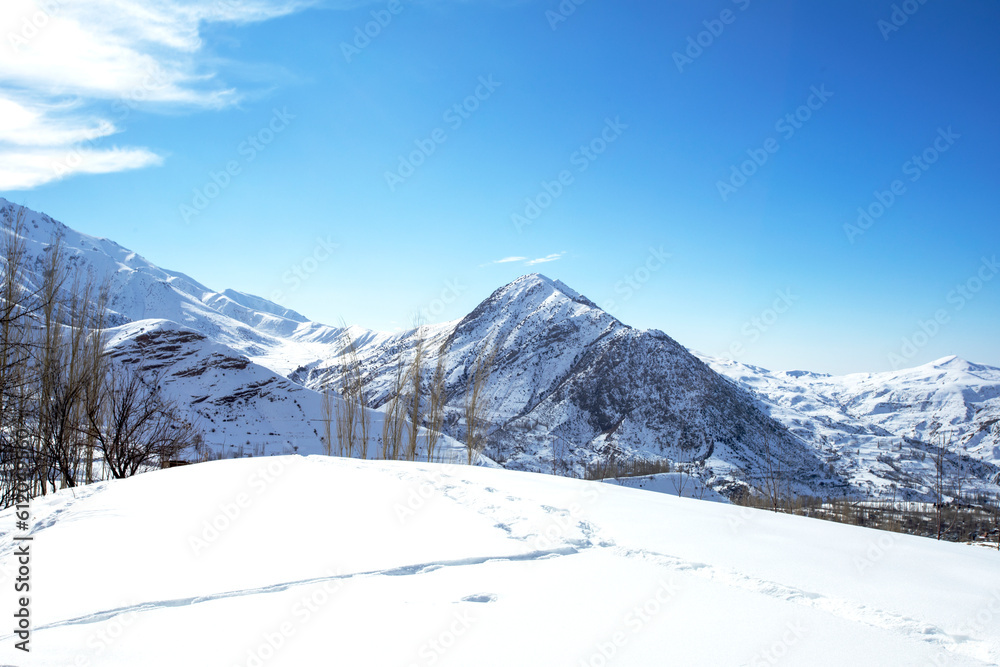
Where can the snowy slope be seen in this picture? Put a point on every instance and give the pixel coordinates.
(240, 407)
(319, 561)
(881, 428)
(141, 290)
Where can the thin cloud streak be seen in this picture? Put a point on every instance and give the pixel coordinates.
(548, 258)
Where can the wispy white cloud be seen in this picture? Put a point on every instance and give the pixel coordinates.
(548, 258)
(23, 170)
(27, 124)
(527, 262)
(59, 59)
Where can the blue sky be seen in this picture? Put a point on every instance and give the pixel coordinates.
(694, 167)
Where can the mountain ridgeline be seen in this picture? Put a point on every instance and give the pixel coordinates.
(569, 386)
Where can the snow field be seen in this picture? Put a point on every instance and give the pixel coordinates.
(318, 561)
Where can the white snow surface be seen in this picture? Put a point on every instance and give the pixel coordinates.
(675, 483)
(324, 561)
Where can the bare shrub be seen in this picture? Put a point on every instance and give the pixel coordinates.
(134, 425)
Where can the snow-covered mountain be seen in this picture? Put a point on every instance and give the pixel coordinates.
(225, 353)
(571, 383)
(882, 428)
(141, 290)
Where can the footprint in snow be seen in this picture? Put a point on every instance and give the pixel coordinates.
(482, 597)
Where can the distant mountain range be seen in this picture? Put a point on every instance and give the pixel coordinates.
(571, 384)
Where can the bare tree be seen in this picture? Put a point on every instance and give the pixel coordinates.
(68, 355)
(352, 412)
(57, 363)
(67, 375)
(414, 399)
(437, 397)
(17, 306)
(394, 410)
(327, 419)
(996, 519)
(772, 480)
(96, 367)
(364, 414)
(961, 470)
(682, 480)
(939, 477)
(345, 412)
(134, 424)
(476, 423)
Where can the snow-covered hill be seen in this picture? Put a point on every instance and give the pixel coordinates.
(318, 561)
(572, 385)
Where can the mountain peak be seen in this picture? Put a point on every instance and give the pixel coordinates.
(950, 361)
(532, 280)
(955, 363)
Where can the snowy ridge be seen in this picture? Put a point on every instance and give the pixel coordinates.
(141, 290)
